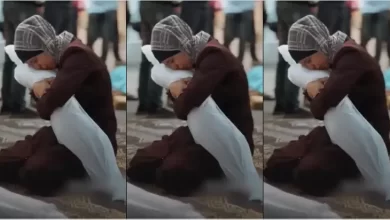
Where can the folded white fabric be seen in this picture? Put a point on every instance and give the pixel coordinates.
(143, 204)
(217, 134)
(349, 130)
(79, 133)
(14, 205)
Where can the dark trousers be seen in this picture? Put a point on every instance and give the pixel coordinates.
(74, 14)
(149, 93)
(194, 13)
(58, 14)
(102, 25)
(210, 20)
(12, 92)
(238, 25)
(332, 14)
(375, 25)
(286, 93)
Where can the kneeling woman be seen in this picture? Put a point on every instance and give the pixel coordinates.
(176, 163)
(313, 163)
(39, 162)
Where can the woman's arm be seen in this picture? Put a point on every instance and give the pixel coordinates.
(75, 69)
(212, 70)
(343, 77)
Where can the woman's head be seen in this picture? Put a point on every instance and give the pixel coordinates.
(37, 44)
(174, 44)
(310, 43)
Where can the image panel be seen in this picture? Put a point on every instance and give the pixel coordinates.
(325, 146)
(62, 137)
(194, 128)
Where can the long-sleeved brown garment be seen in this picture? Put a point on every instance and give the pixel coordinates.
(39, 162)
(176, 163)
(312, 162)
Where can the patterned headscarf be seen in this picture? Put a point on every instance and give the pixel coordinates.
(310, 34)
(37, 34)
(173, 34)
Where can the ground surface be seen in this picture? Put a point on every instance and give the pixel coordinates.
(142, 131)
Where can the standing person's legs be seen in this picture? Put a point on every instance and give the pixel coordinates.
(13, 93)
(108, 31)
(57, 14)
(381, 32)
(73, 20)
(367, 29)
(151, 13)
(210, 20)
(230, 30)
(346, 27)
(331, 14)
(245, 32)
(288, 13)
(93, 30)
(115, 41)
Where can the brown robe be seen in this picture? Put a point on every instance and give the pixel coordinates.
(176, 163)
(312, 162)
(39, 162)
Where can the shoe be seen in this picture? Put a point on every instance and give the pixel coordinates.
(141, 110)
(25, 113)
(298, 113)
(268, 97)
(5, 110)
(278, 110)
(160, 113)
(120, 63)
(130, 97)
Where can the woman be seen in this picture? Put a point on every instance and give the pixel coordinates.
(312, 162)
(176, 163)
(39, 162)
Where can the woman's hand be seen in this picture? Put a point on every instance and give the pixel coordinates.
(39, 88)
(314, 87)
(176, 88)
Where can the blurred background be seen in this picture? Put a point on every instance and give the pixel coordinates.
(211, 16)
(366, 21)
(99, 24)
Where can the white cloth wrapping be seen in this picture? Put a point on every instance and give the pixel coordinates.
(142, 204)
(217, 134)
(80, 134)
(14, 205)
(349, 130)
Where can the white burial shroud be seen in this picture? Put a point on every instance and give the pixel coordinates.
(80, 134)
(349, 130)
(216, 133)
(13, 206)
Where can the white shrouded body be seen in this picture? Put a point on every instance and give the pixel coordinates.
(217, 134)
(348, 129)
(80, 134)
(13, 205)
(142, 204)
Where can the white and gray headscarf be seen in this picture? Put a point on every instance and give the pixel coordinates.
(37, 34)
(172, 35)
(309, 34)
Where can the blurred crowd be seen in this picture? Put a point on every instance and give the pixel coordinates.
(337, 16)
(64, 16)
(239, 22)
